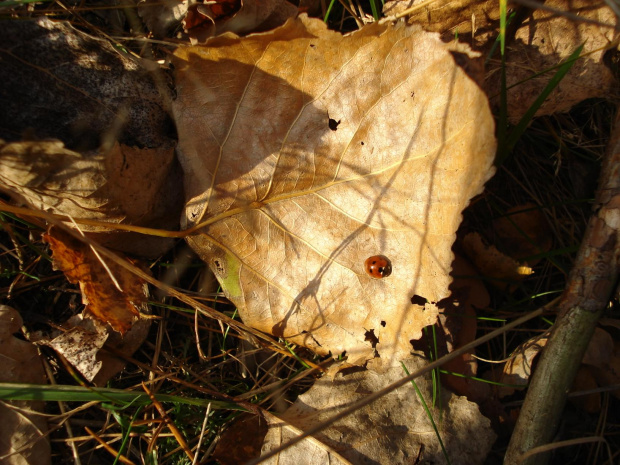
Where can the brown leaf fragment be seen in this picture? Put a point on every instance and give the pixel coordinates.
(585, 381)
(307, 152)
(115, 301)
(472, 20)
(206, 19)
(80, 347)
(118, 348)
(600, 349)
(501, 270)
(241, 441)
(22, 430)
(609, 374)
(519, 368)
(458, 320)
(393, 430)
(523, 232)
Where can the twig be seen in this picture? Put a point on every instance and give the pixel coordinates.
(590, 286)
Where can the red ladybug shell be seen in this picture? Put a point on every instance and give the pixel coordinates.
(378, 266)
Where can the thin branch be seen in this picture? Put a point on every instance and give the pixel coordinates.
(590, 287)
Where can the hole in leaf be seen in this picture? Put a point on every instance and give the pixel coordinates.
(383, 323)
(419, 300)
(219, 266)
(333, 124)
(370, 336)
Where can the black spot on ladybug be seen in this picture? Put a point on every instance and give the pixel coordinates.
(378, 266)
(333, 124)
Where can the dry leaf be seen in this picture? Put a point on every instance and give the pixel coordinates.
(609, 375)
(162, 16)
(241, 441)
(307, 152)
(523, 232)
(501, 270)
(600, 349)
(543, 40)
(111, 294)
(470, 20)
(117, 162)
(519, 368)
(80, 347)
(460, 325)
(394, 429)
(546, 39)
(206, 19)
(122, 185)
(585, 381)
(23, 431)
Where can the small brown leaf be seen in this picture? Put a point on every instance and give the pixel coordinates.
(544, 38)
(523, 232)
(100, 293)
(212, 18)
(241, 441)
(520, 367)
(80, 347)
(501, 270)
(585, 381)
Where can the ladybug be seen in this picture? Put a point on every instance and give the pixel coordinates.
(378, 266)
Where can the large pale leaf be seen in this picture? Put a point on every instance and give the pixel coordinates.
(305, 152)
(395, 429)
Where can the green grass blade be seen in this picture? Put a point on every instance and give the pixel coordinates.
(126, 436)
(502, 123)
(15, 391)
(375, 12)
(429, 414)
(329, 10)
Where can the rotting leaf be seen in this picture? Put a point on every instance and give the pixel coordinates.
(288, 209)
(115, 302)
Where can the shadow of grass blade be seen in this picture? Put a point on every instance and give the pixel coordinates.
(516, 133)
(429, 414)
